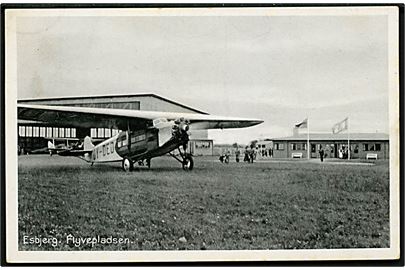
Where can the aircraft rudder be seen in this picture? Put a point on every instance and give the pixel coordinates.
(87, 144)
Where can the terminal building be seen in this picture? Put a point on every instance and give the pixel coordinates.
(33, 136)
(362, 145)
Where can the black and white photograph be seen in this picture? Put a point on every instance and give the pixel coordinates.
(160, 134)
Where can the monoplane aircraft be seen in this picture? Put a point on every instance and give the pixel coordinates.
(144, 135)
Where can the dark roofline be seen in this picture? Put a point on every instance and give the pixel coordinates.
(112, 96)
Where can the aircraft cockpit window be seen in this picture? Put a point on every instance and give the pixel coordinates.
(138, 138)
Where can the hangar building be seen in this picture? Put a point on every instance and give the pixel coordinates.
(361, 145)
(33, 136)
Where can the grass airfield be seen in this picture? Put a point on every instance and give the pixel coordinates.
(264, 205)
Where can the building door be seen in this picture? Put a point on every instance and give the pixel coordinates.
(313, 150)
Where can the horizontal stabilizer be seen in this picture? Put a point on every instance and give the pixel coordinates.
(73, 153)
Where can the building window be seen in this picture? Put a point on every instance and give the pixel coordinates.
(42, 131)
(67, 132)
(293, 146)
(279, 146)
(35, 131)
(48, 132)
(61, 132)
(28, 131)
(73, 133)
(107, 133)
(100, 132)
(197, 144)
(114, 132)
(21, 131)
(372, 147)
(55, 132)
(93, 133)
(298, 146)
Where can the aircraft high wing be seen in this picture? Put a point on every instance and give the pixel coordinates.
(146, 134)
(120, 118)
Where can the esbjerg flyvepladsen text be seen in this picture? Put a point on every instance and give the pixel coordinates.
(76, 241)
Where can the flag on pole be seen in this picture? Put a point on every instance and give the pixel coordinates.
(303, 124)
(342, 125)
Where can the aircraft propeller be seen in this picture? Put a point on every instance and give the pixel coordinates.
(180, 130)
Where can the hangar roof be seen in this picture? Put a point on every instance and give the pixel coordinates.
(336, 137)
(35, 100)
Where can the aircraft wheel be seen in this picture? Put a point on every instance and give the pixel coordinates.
(127, 165)
(188, 163)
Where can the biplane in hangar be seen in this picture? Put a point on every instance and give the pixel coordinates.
(144, 135)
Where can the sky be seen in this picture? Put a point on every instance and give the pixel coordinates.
(280, 69)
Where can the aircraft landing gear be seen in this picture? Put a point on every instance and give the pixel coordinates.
(127, 165)
(186, 161)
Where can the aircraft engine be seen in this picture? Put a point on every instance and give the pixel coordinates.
(177, 130)
(180, 129)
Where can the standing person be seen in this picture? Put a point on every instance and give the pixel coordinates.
(321, 153)
(222, 156)
(251, 154)
(246, 158)
(227, 154)
(237, 154)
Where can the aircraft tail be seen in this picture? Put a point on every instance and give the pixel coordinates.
(87, 144)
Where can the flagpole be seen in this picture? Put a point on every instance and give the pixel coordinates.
(348, 140)
(308, 138)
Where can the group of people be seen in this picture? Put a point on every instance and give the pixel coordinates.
(267, 152)
(342, 153)
(249, 155)
(224, 158)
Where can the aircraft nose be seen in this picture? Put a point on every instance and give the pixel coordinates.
(185, 127)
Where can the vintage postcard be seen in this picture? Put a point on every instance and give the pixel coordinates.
(196, 134)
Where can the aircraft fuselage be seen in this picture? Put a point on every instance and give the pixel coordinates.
(135, 145)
